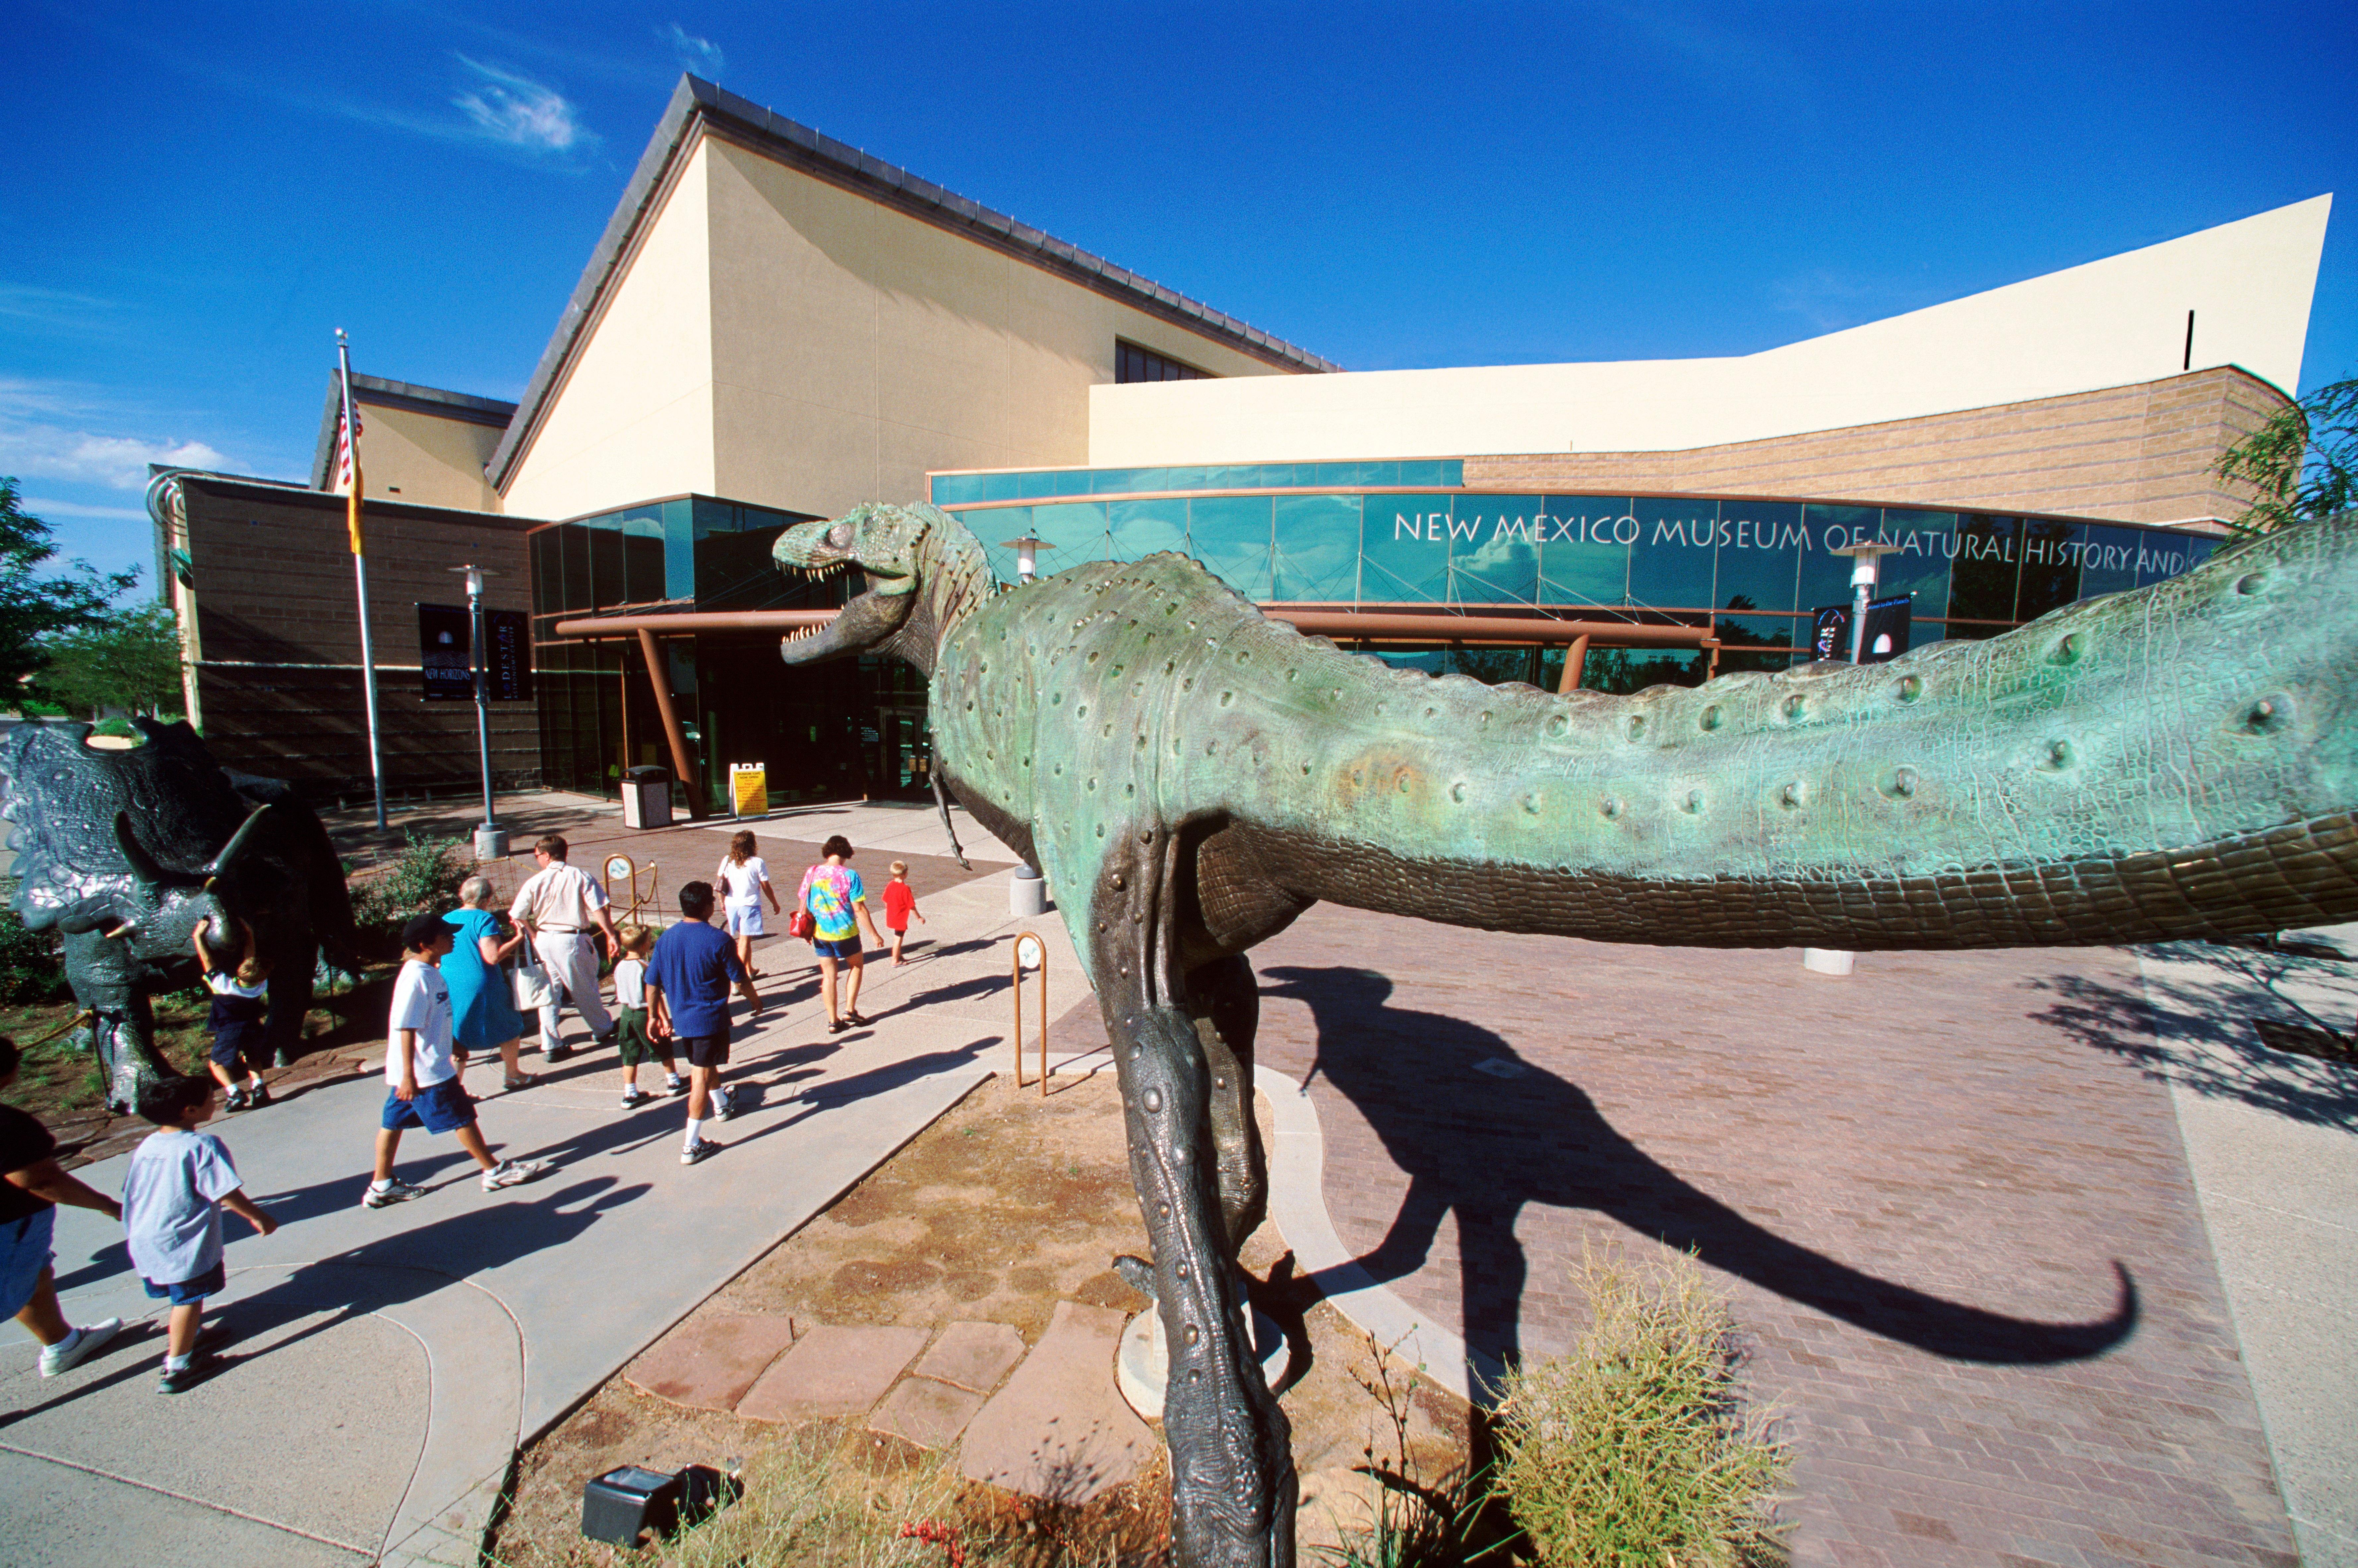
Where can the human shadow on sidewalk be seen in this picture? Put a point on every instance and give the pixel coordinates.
(1484, 1145)
(386, 1272)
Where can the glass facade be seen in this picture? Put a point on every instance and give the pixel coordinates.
(826, 731)
(1408, 536)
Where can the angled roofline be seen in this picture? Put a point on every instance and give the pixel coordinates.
(384, 394)
(698, 106)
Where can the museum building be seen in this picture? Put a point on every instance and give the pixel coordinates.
(776, 326)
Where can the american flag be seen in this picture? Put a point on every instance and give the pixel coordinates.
(344, 445)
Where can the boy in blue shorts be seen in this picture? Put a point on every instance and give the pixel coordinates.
(422, 1071)
(179, 1182)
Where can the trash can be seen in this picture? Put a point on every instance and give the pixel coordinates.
(646, 797)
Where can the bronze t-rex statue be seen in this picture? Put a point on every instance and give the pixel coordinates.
(1190, 776)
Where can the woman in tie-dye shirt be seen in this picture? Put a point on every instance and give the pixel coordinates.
(837, 901)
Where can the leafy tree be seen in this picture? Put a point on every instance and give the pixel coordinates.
(35, 608)
(2302, 464)
(131, 660)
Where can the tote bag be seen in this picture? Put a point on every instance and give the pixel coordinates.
(533, 989)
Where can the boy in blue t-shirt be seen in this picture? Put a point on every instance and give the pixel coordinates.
(179, 1182)
(687, 979)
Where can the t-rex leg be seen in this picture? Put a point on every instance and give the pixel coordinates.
(1226, 1006)
(1232, 1484)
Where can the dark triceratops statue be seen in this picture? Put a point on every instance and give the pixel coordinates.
(122, 852)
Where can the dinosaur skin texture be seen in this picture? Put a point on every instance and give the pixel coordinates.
(2181, 762)
(122, 852)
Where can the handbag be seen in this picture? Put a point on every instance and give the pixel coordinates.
(802, 925)
(534, 988)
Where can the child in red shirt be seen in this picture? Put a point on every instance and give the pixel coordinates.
(900, 904)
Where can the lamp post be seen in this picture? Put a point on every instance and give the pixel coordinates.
(1863, 573)
(1027, 562)
(490, 838)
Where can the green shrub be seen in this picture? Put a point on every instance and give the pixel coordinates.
(1635, 1449)
(423, 878)
(32, 970)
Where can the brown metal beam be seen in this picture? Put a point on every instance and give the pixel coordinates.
(680, 761)
(1576, 654)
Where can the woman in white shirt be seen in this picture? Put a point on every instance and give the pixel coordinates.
(745, 881)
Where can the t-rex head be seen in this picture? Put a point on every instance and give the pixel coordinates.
(882, 541)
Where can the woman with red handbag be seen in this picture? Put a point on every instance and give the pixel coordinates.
(828, 908)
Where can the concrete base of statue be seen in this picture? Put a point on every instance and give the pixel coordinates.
(1827, 960)
(1143, 1366)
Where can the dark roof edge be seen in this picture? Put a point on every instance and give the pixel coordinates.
(699, 103)
(286, 489)
(383, 393)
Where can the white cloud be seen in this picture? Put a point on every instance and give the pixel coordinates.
(48, 507)
(48, 432)
(52, 307)
(515, 110)
(701, 57)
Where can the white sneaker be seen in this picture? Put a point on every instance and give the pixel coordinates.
(393, 1192)
(674, 1085)
(510, 1173)
(702, 1150)
(84, 1343)
(723, 1107)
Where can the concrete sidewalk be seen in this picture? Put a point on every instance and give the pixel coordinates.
(384, 1366)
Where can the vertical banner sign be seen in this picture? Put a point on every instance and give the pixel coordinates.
(509, 632)
(748, 788)
(1829, 632)
(445, 653)
(1886, 629)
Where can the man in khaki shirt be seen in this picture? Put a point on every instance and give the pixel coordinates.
(560, 907)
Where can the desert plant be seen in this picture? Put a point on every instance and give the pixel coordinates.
(32, 971)
(807, 1502)
(423, 878)
(1411, 1523)
(1635, 1449)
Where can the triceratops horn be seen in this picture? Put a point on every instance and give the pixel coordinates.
(142, 865)
(230, 851)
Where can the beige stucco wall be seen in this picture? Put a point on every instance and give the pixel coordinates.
(425, 459)
(632, 417)
(856, 348)
(2120, 322)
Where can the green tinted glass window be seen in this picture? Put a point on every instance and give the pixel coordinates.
(1670, 560)
(1492, 556)
(1982, 578)
(1231, 535)
(1404, 545)
(1919, 565)
(2167, 554)
(1316, 557)
(2050, 555)
(1142, 527)
(1584, 542)
(1759, 552)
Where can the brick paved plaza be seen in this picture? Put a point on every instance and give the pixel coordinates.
(1923, 1188)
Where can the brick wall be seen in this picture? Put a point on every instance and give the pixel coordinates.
(2130, 454)
(277, 638)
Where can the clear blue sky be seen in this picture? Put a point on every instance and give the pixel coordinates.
(198, 196)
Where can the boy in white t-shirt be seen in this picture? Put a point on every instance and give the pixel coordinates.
(631, 1034)
(423, 1071)
(177, 1182)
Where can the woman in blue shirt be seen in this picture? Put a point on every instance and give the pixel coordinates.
(483, 1015)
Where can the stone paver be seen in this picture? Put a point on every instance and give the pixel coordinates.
(1924, 1186)
(711, 1360)
(1059, 1429)
(973, 1355)
(928, 1413)
(833, 1369)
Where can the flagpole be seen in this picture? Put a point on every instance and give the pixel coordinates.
(360, 571)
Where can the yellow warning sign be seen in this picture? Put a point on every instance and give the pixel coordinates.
(748, 788)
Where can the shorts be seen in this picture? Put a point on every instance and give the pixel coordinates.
(238, 1043)
(23, 1253)
(439, 1107)
(745, 919)
(847, 948)
(703, 1050)
(210, 1283)
(630, 1037)
(900, 930)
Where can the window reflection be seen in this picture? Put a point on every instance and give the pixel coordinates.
(1671, 562)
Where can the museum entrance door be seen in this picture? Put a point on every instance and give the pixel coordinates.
(901, 753)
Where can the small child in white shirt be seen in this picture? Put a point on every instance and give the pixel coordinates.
(630, 1015)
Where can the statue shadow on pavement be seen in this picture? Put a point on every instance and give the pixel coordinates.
(1413, 1075)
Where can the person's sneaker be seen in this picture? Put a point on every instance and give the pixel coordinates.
(702, 1150)
(724, 1105)
(606, 1042)
(634, 1097)
(510, 1173)
(257, 1097)
(235, 1100)
(393, 1192)
(557, 1053)
(80, 1347)
(674, 1085)
(202, 1365)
